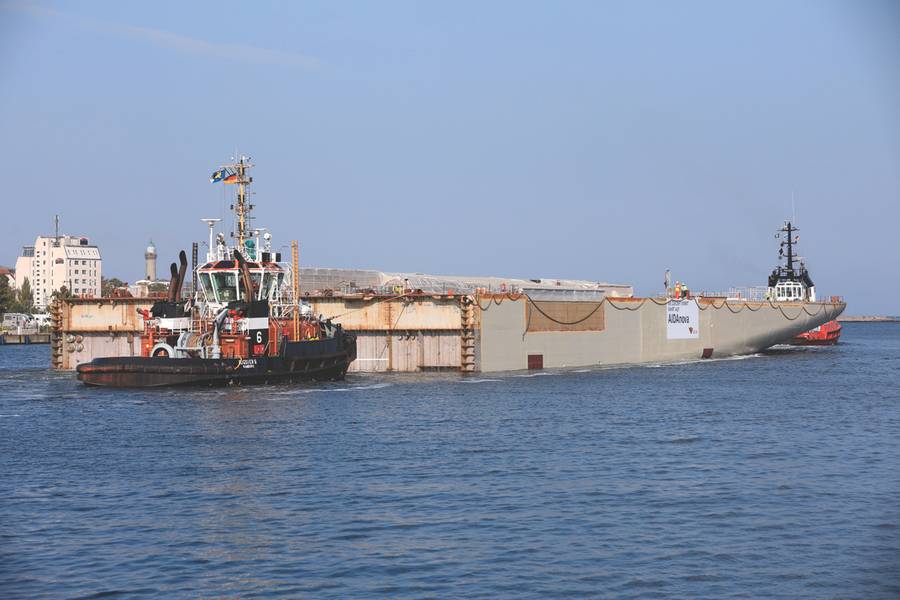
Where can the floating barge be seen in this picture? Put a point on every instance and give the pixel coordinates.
(485, 329)
(240, 309)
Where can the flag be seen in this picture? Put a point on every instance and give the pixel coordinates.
(219, 175)
(233, 178)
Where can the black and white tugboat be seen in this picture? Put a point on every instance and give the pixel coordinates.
(790, 282)
(245, 322)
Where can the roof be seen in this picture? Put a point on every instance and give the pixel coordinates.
(312, 279)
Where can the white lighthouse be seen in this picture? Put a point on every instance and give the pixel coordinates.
(150, 258)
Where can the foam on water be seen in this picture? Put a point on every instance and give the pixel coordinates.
(538, 374)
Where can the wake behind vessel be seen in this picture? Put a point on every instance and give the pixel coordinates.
(245, 322)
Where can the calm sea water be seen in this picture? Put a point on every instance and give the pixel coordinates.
(772, 476)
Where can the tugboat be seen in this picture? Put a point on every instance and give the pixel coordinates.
(244, 323)
(826, 334)
(790, 283)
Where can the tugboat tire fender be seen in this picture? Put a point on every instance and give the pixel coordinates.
(162, 350)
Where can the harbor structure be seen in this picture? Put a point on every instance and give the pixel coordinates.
(57, 261)
(150, 262)
(143, 287)
(492, 326)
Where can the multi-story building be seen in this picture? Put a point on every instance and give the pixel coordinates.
(54, 262)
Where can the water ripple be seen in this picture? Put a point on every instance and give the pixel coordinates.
(774, 476)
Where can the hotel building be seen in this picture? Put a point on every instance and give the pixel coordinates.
(54, 262)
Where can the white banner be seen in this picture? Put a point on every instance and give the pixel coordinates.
(682, 320)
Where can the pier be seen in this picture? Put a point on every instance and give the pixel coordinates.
(14, 339)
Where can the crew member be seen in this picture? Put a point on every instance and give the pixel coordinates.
(677, 290)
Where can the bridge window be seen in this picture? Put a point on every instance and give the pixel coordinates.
(225, 285)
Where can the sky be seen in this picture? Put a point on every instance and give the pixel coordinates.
(606, 141)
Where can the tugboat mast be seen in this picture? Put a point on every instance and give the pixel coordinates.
(242, 208)
(237, 173)
(789, 242)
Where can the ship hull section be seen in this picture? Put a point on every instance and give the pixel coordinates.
(637, 331)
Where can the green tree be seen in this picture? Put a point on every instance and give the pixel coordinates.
(7, 296)
(25, 298)
(108, 285)
(62, 293)
(158, 287)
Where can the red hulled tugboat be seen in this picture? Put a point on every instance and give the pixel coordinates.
(245, 322)
(826, 334)
(791, 282)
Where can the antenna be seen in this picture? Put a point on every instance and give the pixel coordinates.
(211, 223)
(56, 234)
(793, 209)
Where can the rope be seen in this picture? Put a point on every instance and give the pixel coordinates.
(608, 300)
(821, 308)
(712, 303)
(493, 299)
(638, 307)
(385, 299)
(558, 322)
(731, 310)
(390, 332)
(789, 318)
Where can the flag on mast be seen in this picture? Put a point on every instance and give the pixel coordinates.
(222, 174)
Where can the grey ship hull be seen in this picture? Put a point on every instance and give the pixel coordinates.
(635, 331)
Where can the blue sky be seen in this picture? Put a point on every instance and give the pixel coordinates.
(593, 140)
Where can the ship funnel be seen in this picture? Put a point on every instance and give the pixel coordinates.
(173, 283)
(245, 276)
(182, 271)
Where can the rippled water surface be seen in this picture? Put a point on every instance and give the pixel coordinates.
(773, 476)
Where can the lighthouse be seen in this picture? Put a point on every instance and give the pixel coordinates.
(150, 258)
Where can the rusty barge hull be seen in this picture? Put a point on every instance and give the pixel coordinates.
(393, 334)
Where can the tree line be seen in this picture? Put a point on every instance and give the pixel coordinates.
(22, 300)
(16, 301)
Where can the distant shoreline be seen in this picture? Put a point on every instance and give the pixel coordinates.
(868, 319)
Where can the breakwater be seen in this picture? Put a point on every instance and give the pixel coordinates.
(13, 339)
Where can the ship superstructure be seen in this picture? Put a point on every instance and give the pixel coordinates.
(790, 280)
